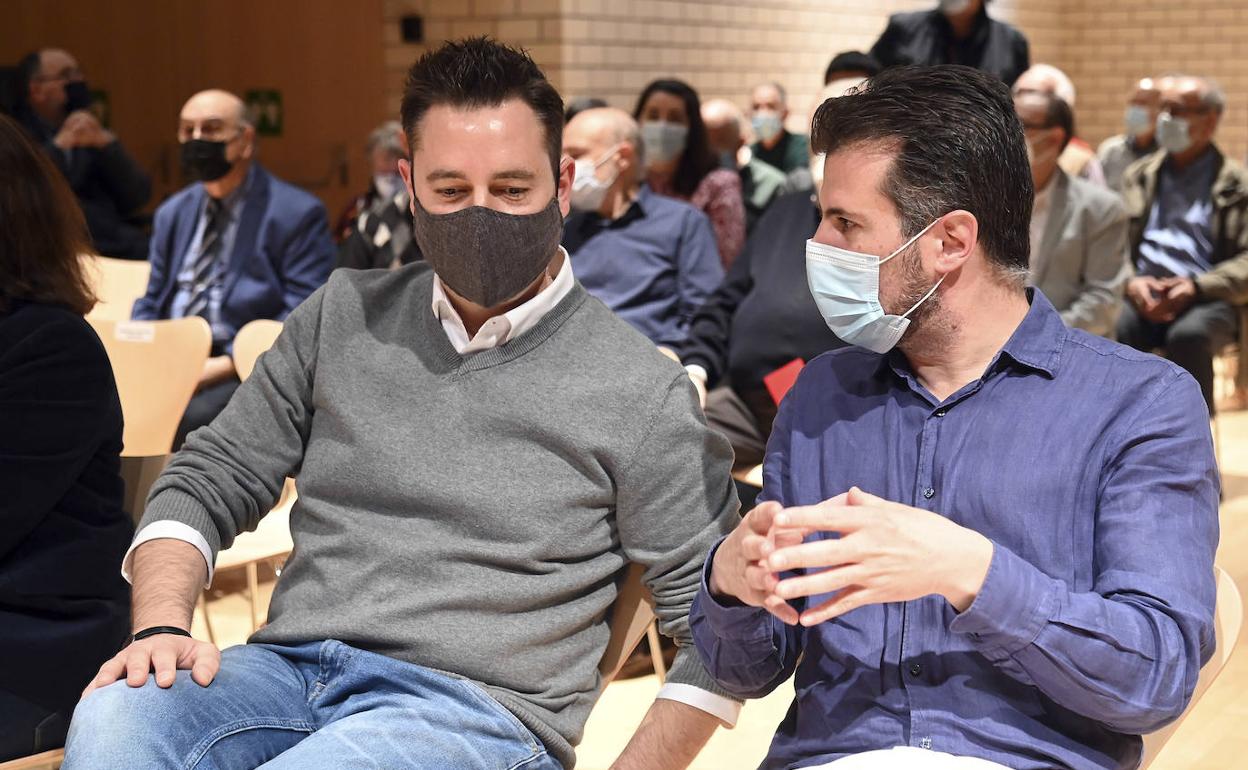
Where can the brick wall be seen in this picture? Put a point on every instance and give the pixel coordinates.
(1109, 45)
(612, 48)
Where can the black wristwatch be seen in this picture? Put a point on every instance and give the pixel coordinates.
(157, 630)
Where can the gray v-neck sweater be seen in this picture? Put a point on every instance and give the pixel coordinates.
(466, 513)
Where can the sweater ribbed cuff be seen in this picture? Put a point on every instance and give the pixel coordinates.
(687, 669)
(176, 505)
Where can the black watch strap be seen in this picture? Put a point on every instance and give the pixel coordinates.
(156, 630)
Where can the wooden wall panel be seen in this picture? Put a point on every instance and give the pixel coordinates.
(325, 56)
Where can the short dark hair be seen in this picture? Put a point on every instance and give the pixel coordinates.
(1057, 113)
(480, 72)
(42, 232)
(958, 143)
(697, 160)
(28, 68)
(852, 61)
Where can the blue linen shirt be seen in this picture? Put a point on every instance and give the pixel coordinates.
(1089, 466)
(654, 266)
(1178, 236)
(233, 211)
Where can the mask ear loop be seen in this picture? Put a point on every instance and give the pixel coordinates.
(905, 246)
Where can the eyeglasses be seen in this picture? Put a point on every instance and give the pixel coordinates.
(209, 130)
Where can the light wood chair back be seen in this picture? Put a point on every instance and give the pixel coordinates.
(157, 365)
(251, 341)
(117, 283)
(48, 760)
(1228, 620)
(631, 615)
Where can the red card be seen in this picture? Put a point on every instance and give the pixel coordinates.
(779, 381)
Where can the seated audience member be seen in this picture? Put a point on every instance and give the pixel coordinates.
(380, 235)
(1140, 122)
(238, 245)
(1078, 159)
(680, 164)
(774, 144)
(760, 182)
(984, 534)
(63, 607)
(1188, 235)
(54, 105)
(385, 148)
(1079, 256)
(481, 450)
(579, 105)
(955, 32)
(650, 259)
(851, 65)
(761, 318)
(806, 178)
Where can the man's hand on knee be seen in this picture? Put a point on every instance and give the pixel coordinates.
(163, 655)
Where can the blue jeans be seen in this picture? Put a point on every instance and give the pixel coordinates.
(317, 705)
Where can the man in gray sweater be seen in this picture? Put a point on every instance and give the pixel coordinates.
(480, 451)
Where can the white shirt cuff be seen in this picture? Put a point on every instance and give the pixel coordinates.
(169, 530)
(725, 709)
(697, 372)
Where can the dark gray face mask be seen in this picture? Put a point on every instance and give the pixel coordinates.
(487, 256)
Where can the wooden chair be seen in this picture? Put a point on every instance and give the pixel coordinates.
(117, 283)
(271, 541)
(157, 365)
(48, 760)
(252, 340)
(632, 617)
(139, 473)
(1228, 621)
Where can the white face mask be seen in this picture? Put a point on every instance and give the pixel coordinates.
(767, 125)
(953, 7)
(1137, 120)
(387, 184)
(588, 191)
(846, 288)
(1173, 134)
(663, 141)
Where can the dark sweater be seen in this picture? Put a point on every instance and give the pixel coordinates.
(64, 607)
(762, 316)
(925, 37)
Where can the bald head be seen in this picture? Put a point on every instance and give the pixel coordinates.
(724, 124)
(1047, 79)
(220, 117)
(598, 132)
(215, 104)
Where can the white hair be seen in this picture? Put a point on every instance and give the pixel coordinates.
(1061, 85)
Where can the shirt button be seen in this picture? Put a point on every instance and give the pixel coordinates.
(926, 743)
(929, 493)
(915, 669)
(941, 412)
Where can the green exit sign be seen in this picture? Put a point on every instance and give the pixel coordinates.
(264, 108)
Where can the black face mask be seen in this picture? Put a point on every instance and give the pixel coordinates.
(77, 96)
(205, 161)
(487, 256)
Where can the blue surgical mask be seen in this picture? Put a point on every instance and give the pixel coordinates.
(767, 125)
(846, 288)
(662, 141)
(1173, 134)
(1137, 120)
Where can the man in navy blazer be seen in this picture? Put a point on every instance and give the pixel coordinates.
(236, 246)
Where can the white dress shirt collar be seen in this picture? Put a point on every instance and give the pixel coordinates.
(502, 328)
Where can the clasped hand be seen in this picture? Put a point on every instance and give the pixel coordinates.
(885, 552)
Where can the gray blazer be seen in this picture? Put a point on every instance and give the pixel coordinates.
(1083, 263)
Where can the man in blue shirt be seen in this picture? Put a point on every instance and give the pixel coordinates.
(651, 259)
(994, 540)
(236, 246)
(1188, 235)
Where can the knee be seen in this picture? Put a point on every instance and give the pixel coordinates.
(1188, 338)
(107, 725)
